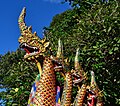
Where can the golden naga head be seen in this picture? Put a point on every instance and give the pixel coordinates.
(95, 89)
(30, 42)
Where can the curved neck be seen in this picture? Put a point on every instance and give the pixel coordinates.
(39, 67)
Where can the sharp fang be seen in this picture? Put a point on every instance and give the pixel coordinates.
(33, 52)
(27, 54)
(77, 81)
(25, 44)
(34, 48)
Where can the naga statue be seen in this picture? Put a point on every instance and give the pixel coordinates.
(45, 91)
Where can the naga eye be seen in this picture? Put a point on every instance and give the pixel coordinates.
(20, 39)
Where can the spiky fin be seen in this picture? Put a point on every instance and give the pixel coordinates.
(25, 30)
(93, 85)
(60, 49)
(77, 64)
(21, 21)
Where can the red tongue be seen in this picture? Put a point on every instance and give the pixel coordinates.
(75, 78)
(26, 50)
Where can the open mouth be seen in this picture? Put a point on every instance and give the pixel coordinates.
(30, 51)
(77, 78)
(91, 95)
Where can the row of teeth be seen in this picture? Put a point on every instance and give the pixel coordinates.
(30, 46)
(33, 53)
(76, 75)
(77, 81)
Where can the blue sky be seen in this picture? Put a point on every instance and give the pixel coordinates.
(39, 13)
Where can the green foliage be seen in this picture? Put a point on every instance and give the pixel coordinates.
(96, 31)
(16, 77)
(85, 4)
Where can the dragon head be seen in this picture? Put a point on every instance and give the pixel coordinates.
(78, 73)
(30, 42)
(94, 88)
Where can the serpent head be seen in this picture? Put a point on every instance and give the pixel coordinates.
(30, 42)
